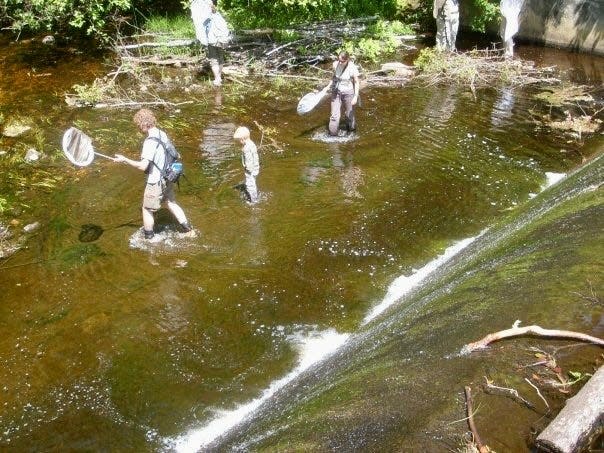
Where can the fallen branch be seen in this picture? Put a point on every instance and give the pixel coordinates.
(492, 389)
(516, 331)
(173, 43)
(159, 61)
(266, 133)
(136, 104)
(537, 390)
(481, 448)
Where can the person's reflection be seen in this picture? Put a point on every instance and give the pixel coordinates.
(257, 246)
(503, 106)
(350, 175)
(217, 143)
(441, 106)
(217, 99)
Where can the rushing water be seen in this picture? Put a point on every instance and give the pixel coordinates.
(117, 344)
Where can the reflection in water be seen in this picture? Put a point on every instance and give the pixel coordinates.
(441, 106)
(217, 144)
(502, 109)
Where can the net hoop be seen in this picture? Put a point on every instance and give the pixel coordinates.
(77, 147)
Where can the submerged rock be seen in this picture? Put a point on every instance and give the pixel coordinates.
(48, 40)
(31, 227)
(32, 155)
(15, 128)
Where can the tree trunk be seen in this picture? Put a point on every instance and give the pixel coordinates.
(579, 421)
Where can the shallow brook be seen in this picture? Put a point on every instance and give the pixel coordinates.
(110, 342)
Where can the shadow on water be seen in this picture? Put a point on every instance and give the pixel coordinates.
(120, 348)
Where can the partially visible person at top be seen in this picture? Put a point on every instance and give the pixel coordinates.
(446, 13)
(152, 160)
(250, 161)
(212, 31)
(344, 90)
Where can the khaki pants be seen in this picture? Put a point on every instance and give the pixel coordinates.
(337, 99)
(156, 193)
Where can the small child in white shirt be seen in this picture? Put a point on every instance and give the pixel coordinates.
(250, 161)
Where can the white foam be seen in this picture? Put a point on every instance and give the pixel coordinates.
(403, 284)
(313, 349)
(342, 137)
(553, 178)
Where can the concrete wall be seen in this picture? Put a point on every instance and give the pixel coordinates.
(576, 24)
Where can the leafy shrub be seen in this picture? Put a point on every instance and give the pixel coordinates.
(93, 93)
(431, 60)
(486, 11)
(92, 17)
(379, 39)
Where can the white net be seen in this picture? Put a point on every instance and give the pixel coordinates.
(77, 147)
(310, 101)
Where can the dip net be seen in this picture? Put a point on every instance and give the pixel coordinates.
(77, 147)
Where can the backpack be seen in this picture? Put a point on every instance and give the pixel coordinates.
(173, 168)
(217, 30)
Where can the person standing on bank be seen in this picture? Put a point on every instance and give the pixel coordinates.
(157, 189)
(250, 161)
(212, 31)
(446, 13)
(344, 90)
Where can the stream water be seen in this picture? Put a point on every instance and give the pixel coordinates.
(116, 344)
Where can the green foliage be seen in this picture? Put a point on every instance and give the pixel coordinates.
(4, 205)
(91, 17)
(179, 25)
(283, 13)
(93, 93)
(379, 39)
(388, 29)
(286, 36)
(431, 60)
(486, 12)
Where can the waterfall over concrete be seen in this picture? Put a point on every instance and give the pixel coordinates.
(395, 385)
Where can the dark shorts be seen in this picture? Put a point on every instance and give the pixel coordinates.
(155, 194)
(215, 54)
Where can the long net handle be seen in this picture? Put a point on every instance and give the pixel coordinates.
(106, 157)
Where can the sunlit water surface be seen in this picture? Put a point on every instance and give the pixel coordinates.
(121, 344)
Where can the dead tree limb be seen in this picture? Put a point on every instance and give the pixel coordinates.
(470, 413)
(529, 330)
(579, 422)
(513, 394)
(172, 43)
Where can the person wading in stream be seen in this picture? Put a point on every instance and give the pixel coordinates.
(344, 90)
(152, 160)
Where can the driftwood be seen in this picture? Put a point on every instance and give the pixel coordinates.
(579, 421)
(513, 394)
(516, 331)
(171, 43)
(470, 413)
(160, 61)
